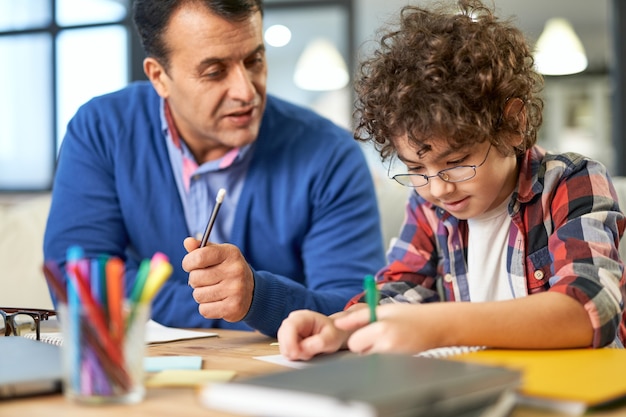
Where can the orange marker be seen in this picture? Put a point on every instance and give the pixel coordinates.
(115, 298)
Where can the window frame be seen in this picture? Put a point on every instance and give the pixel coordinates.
(53, 29)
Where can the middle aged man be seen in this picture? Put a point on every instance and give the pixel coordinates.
(139, 170)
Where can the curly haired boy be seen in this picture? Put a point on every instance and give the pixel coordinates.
(504, 244)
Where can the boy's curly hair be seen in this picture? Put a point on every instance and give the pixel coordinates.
(448, 73)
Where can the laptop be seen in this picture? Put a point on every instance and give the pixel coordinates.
(29, 367)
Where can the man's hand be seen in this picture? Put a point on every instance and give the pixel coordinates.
(221, 279)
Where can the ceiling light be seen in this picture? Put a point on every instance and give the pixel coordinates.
(321, 67)
(558, 50)
(277, 35)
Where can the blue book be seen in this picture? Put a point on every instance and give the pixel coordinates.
(29, 367)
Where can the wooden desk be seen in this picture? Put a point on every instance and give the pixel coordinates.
(231, 350)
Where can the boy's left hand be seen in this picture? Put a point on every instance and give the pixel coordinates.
(304, 334)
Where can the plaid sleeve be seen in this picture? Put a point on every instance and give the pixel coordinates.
(409, 276)
(588, 225)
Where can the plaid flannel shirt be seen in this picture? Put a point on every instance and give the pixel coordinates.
(565, 231)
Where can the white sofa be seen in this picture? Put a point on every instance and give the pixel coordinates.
(22, 226)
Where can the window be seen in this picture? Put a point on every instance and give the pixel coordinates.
(311, 21)
(56, 54)
(577, 117)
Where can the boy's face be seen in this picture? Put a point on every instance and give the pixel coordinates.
(495, 179)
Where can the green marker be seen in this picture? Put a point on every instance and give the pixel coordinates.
(371, 295)
(140, 280)
(135, 295)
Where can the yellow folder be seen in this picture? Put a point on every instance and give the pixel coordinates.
(589, 377)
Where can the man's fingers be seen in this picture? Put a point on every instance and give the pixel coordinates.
(222, 309)
(191, 244)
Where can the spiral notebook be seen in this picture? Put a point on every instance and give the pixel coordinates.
(155, 333)
(442, 352)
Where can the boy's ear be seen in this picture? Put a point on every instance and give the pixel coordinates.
(514, 110)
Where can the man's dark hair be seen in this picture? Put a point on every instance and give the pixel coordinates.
(151, 18)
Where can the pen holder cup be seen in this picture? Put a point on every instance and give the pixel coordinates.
(103, 357)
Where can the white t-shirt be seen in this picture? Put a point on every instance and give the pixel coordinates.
(488, 278)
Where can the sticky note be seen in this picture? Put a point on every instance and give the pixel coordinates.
(188, 378)
(162, 363)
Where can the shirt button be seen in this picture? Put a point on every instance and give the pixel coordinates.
(199, 236)
(538, 275)
(447, 277)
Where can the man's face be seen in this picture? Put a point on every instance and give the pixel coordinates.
(216, 80)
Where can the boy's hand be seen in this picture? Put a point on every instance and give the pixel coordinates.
(401, 328)
(304, 334)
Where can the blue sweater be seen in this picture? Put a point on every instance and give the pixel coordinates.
(307, 220)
